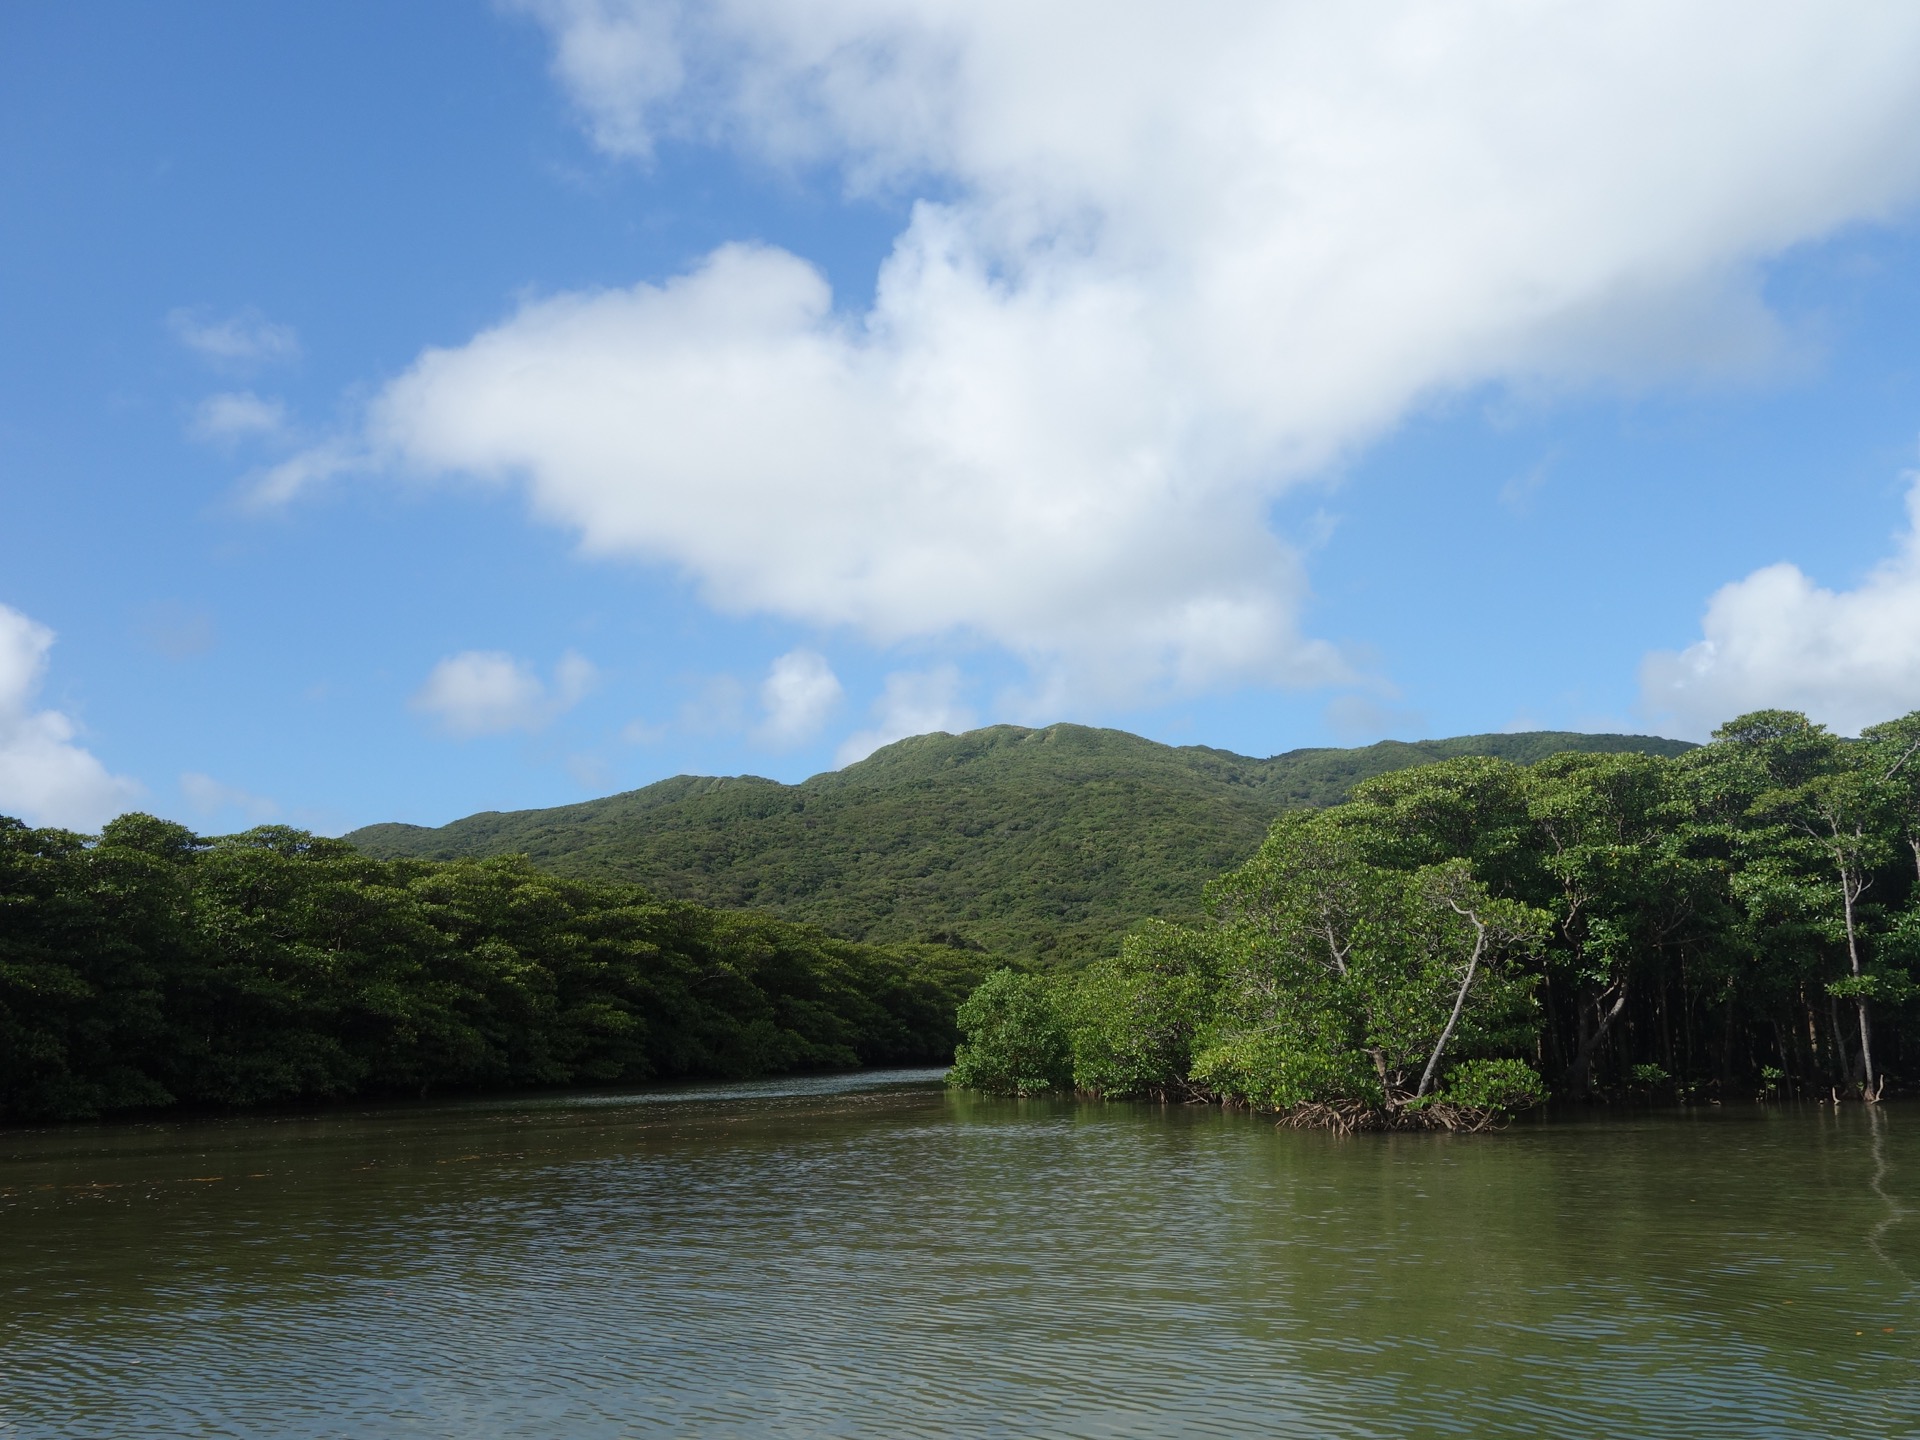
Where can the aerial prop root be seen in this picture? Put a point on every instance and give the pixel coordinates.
(1346, 1117)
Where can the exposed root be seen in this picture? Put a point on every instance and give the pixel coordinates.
(1348, 1116)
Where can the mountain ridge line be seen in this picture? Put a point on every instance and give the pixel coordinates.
(1041, 843)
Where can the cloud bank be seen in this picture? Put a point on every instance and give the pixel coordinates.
(45, 779)
(1168, 262)
(1848, 658)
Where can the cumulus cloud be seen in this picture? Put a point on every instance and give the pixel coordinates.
(1176, 261)
(46, 779)
(209, 797)
(914, 702)
(797, 698)
(238, 415)
(489, 692)
(1848, 658)
(244, 339)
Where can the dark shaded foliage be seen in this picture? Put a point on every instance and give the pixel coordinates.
(151, 968)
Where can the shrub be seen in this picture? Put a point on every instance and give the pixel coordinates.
(1016, 1043)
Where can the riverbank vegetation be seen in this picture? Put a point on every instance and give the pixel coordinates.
(1449, 945)
(1738, 922)
(150, 968)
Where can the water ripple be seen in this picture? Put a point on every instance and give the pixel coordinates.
(849, 1258)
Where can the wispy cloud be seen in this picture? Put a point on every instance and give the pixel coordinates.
(243, 339)
(489, 692)
(914, 702)
(1519, 492)
(210, 798)
(1361, 719)
(643, 732)
(718, 706)
(276, 485)
(177, 630)
(238, 415)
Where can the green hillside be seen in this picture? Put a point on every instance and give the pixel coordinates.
(1041, 843)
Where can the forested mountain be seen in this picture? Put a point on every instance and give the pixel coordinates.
(1042, 843)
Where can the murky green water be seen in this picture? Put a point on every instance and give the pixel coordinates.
(872, 1257)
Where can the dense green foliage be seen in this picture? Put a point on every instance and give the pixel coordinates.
(1017, 1045)
(153, 968)
(1741, 920)
(1035, 843)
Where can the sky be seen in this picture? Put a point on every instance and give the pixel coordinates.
(413, 410)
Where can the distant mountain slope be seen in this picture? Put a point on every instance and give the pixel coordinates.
(1044, 843)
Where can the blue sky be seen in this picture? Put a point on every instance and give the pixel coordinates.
(406, 411)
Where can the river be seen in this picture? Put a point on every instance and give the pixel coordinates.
(871, 1256)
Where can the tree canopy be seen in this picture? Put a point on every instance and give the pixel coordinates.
(152, 967)
(1740, 920)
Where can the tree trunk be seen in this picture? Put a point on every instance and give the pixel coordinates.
(1553, 1030)
(1849, 892)
(1843, 1059)
(1666, 1026)
(1579, 1074)
(1459, 1002)
(1870, 1091)
(1726, 1045)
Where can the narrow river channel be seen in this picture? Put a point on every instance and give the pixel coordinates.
(871, 1256)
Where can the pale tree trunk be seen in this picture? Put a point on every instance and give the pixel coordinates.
(1852, 886)
(1459, 1000)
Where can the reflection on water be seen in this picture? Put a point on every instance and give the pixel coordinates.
(870, 1256)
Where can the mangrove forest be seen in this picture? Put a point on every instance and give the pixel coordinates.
(1458, 940)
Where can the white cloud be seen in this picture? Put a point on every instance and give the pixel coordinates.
(45, 779)
(245, 338)
(209, 797)
(798, 695)
(1183, 258)
(914, 702)
(489, 692)
(277, 484)
(618, 62)
(238, 415)
(1848, 658)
